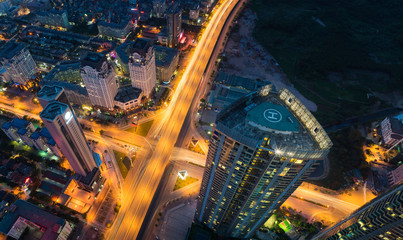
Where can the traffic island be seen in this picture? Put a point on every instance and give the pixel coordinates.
(123, 162)
(180, 182)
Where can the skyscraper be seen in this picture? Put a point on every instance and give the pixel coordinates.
(65, 129)
(142, 65)
(174, 24)
(99, 79)
(48, 94)
(381, 218)
(17, 60)
(264, 145)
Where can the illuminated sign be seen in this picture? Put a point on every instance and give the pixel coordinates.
(68, 116)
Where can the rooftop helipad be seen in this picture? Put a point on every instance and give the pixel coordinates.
(273, 116)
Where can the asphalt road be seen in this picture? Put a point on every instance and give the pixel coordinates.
(138, 199)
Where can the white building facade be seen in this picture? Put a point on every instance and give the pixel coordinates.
(142, 66)
(100, 82)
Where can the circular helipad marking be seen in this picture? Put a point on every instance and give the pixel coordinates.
(272, 115)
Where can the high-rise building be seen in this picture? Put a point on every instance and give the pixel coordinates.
(381, 218)
(174, 24)
(142, 65)
(99, 79)
(17, 60)
(159, 8)
(49, 93)
(262, 148)
(65, 129)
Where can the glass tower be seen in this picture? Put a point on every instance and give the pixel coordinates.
(263, 147)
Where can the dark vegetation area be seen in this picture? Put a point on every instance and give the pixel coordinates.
(335, 52)
(345, 155)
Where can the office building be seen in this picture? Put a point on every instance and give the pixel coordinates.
(159, 8)
(18, 62)
(65, 129)
(99, 79)
(53, 19)
(166, 62)
(142, 65)
(19, 130)
(381, 218)
(24, 220)
(392, 131)
(174, 24)
(262, 148)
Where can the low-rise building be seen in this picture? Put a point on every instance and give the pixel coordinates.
(128, 98)
(43, 141)
(166, 61)
(65, 72)
(19, 130)
(76, 94)
(25, 218)
(117, 31)
(53, 19)
(77, 197)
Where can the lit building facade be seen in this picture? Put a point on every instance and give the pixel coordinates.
(159, 8)
(174, 24)
(99, 79)
(142, 65)
(18, 62)
(263, 146)
(392, 131)
(65, 129)
(379, 219)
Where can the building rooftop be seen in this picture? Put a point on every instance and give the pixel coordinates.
(141, 46)
(66, 85)
(164, 55)
(49, 93)
(49, 223)
(10, 49)
(52, 110)
(16, 123)
(93, 60)
(126, 94)
(237, 81)
(43, 132)
(280, 116)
